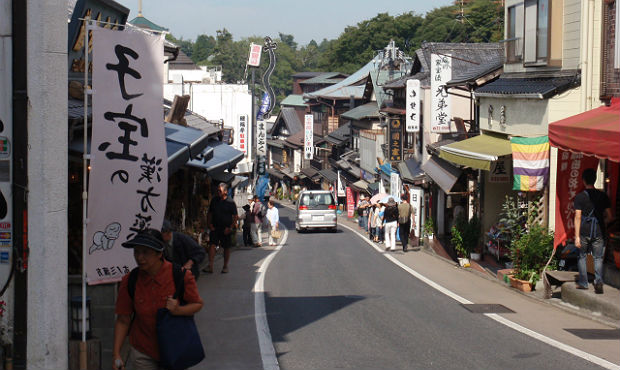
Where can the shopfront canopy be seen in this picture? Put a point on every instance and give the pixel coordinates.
(443, 173)
(593, 133)
(477, 152)
(224, 157)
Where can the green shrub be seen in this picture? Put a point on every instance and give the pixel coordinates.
(530, 251)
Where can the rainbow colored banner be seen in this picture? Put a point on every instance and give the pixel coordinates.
(530, 156)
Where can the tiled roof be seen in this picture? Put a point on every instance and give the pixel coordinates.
(294, 100)
(142, 22)
(339, 135)
(473, 74)
(291, 120)
(329, 175)
(529, 88)
(325, 78)
(352, 85)
(368, 110)
(182, 62)
(307, 74)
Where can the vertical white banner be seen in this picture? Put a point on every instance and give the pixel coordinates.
(128, 182)
(395, 186)
(242, 134)
(261, 138)
(441, 108)
(416, 195)
(412, 122)
(341, 190)
(309, 136)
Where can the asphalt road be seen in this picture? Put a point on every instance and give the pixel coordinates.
(333, 302)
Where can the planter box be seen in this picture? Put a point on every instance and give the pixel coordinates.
(522, 285)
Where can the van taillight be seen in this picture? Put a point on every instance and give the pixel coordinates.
(332, 207)
(301, 208)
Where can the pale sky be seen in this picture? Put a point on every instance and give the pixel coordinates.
(306, 20)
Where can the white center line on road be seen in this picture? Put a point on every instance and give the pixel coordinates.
(267, 351)
(502, 320)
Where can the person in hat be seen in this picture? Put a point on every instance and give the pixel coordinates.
(154, 289)
(182, 249)
(390, 219)
(247, 221)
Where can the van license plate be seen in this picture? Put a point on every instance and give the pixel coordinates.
(317, 218)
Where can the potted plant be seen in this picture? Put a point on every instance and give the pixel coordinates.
(471, 238)
(530, 251)
(459, 246)
(428, 228)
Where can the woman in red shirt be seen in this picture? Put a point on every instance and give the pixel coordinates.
(154, 290)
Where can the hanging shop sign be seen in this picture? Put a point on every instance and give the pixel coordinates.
(412, 122)
(341, 190)
(396, 140)
(500, 171)
(568, 185)
(309, 136)
(395, 186)
(129, 178)
(242, 134)
(441, 101)
(350, 203)
(261, 138)
(416, 196)
(256, 51)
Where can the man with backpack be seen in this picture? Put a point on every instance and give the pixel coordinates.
(592, 213)
(390, 219)
(182, 249)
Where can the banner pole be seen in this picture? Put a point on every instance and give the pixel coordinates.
(83, 346)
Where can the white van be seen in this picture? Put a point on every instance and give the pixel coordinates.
(316, 209)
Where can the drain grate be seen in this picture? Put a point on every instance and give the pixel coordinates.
(487, 308)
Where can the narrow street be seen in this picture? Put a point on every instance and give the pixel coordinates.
(333, 301)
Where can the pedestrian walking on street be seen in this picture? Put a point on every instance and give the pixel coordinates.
(273, 217)
(405, 210)
(372, 222)
(391, 223)
(592, 214)
(379, 220)
(142, 292)
(247, 222)
(362, 211)
(222, 221)
(258, 214)
(182, 249)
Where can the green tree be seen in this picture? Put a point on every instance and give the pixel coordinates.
(203, 48)
(186, 46)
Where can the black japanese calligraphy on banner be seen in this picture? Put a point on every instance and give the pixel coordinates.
(441, 101)
(395, 139)
(129, 165)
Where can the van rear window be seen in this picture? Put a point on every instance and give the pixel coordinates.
(312, 200)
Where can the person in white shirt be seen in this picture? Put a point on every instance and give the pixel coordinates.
(273, 217)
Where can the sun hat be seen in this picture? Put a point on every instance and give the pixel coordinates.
(391, 202)
(148, 238)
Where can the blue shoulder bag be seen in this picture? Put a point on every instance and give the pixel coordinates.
(180, 346)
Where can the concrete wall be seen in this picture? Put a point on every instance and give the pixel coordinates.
(47, 184)
(524, 117)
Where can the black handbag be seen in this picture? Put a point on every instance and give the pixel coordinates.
(180, 346)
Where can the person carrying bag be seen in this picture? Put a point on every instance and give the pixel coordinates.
(153, 295)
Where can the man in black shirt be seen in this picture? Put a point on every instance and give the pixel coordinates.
(592, 212)
(182, 249)
(222, 220)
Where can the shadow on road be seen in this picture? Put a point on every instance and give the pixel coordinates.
(287, 314)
